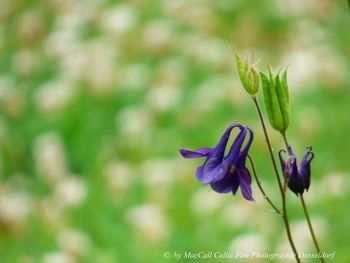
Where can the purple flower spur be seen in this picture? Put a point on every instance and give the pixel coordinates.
(225, 173)
(298, 178)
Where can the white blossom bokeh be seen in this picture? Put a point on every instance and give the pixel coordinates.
(96, 97)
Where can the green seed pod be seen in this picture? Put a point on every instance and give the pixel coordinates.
(248, 75)
(276, 99)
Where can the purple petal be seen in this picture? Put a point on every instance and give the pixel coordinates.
(214, 168)
(304, 169)
(290, 151)
(235, 185)
(227, 184)
(245, 183)
(233, 154)
(199, 174)
(219, 150)
(240, 163)
(247, 147)
(282, 161)
(295, 181)
(202, 152)
(216, 173)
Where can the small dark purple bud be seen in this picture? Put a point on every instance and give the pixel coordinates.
(298, 178)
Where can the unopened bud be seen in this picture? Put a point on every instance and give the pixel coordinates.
(249, 75)
(276, 98)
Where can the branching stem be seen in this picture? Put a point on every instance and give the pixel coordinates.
(261, 187)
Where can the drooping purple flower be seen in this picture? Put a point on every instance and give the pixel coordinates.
(298, 178)
(225, 173)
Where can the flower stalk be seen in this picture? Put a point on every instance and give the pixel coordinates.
(261, 187)
(283, 195)
(311, 228)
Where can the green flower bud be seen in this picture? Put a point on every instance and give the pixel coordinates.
(249, 76)
(276, 99)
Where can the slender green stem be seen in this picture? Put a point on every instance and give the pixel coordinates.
(306, 212)
(286, 223)
(311, 228)
(261, 117)
(286, 143)
(261, 187)
(284, 204)
(285, 140)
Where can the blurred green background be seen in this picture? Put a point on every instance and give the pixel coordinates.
(96, 97)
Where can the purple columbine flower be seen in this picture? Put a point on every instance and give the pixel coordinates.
(298, 178)
(225, 173)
